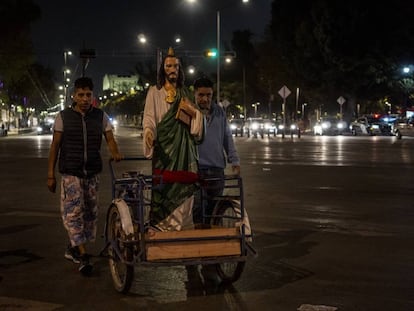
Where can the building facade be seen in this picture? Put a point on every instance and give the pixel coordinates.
(121, 83)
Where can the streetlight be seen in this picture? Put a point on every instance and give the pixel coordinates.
(303, 110)
(219, 53)
(177, 40)
(66, 71)
(143, 40)
(389, 106)
(297, 102)
(255, 108)
(407, 83)
(218, 57)
(218, 46)
(191, 70)
(228, 59)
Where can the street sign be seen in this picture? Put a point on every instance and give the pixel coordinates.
(284, 92)
(341, 100)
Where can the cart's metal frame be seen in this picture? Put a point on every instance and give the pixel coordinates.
(131, 198)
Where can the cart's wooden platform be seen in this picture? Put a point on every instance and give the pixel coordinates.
(195, 243)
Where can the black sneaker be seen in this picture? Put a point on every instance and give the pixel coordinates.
(72, 253)
(85, 266)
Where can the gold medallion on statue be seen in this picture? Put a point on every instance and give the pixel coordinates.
(171, 93)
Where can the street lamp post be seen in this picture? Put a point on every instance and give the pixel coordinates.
(297, 102)
(65, 75)
(407, 84)
(218, 46)
(219, 53)
(159, 60)
(255, 108)
(303, 110)
(218, 57)
(244, 92)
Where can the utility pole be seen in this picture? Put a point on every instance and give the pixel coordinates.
(244, 92)
(86, 55)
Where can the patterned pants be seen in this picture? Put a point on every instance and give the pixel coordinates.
(79, 207)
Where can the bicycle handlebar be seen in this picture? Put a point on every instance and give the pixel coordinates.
(111, 163)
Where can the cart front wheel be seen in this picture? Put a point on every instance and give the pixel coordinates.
(229, 272)
(119, 252)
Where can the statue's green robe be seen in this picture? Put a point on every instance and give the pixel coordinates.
(174, 157)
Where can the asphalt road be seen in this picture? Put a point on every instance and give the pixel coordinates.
(332, 219)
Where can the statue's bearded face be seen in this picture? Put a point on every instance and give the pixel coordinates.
(171, 67)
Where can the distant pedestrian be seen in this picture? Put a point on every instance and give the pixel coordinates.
(76, 144)
(3, 130)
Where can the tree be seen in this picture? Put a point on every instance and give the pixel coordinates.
(16, 54)
(239, 79)
(332, 48)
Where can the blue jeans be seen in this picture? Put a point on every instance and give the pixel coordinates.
(212, 185)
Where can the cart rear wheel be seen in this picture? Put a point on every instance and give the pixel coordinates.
(229, 272)
(122, 273)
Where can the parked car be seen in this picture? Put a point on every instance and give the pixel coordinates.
(44, 128)
(236, 126)
(254, 127)
(370, 125)
(403, 127)
(329, 126)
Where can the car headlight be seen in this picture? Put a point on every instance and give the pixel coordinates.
(39, 129)
(233, 127)
(255, 126)
(293, 126)
(281, 127)
(326, 125)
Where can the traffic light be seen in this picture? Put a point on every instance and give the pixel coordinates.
(211, 53)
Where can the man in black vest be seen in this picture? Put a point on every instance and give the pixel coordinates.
(76, 144)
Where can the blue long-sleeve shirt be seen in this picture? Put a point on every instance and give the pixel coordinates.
(218, 144)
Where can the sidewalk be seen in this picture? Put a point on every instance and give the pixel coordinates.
(18, 131)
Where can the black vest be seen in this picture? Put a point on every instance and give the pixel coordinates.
(81, 143)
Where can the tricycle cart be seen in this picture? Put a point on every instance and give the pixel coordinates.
(224, 242)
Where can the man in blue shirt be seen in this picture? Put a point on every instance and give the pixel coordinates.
(216, 150)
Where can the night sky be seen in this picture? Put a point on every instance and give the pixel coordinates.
(111, 28)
